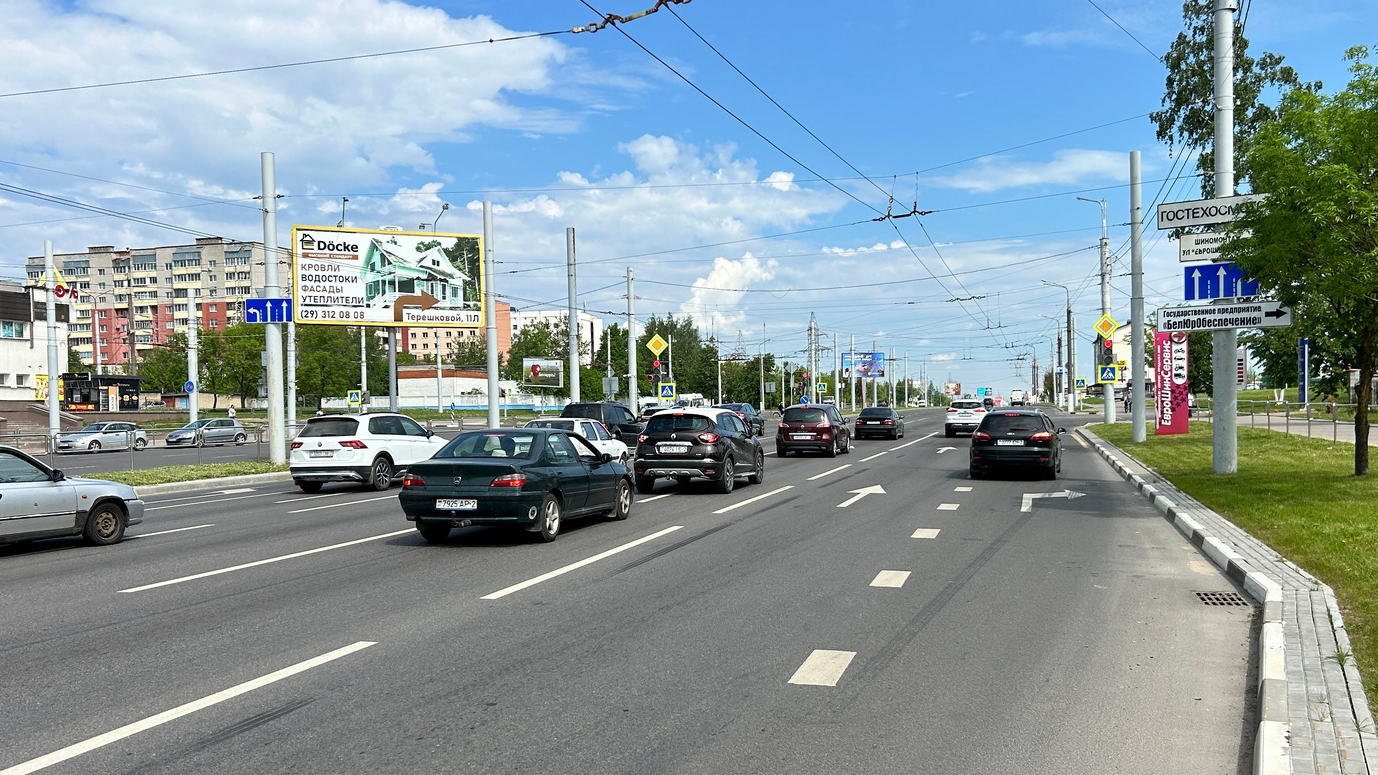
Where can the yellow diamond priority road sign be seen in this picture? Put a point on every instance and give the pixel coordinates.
(657, 344)
(1106, 325)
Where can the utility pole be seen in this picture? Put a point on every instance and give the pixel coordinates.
(837, 373)
(193, 367)
(851, 378)
(1224, 342)
(1136, 300)
(363, 369)
(1059, 383)
(813, 358)
(1107, 389)
(761, 358)
(906, 379)
(277, 447)
(291, 376)
(490, 321)
(631, 344)
(573, 318)
(50, 288)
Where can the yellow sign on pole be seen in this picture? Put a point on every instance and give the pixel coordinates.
(1106, 325)
(657, 344)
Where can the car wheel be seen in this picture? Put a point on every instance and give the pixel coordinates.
(139, 444)
(832, 448)
(1051, 471)
(622, 508)
(94, 446)
(623, 459)
(949, 432)
(240, 438)
(759, 475)
(781, 452)
(104, 526)
(728, 478)
(976, 473)
(433, 532)
(847, 449)
(549, 519)
(308, 487)
(380, 476)
(644, 484)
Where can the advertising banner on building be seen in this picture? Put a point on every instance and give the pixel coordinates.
(1170, 376)
(863, 365)
(387, 278)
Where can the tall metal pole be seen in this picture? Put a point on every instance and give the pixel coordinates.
(277, 447)
(631, 344)
(50, 286)
(1107, 389)
(1071, 362)
(1224, 342)
(761, 361)
(193, 365)
(851, 378)
(95, 334)
(393, 398)
(490, 319)
(363, 369)
(1136, 301)
(837, 373)
(573, 318)
(291, 376)
(906, 379)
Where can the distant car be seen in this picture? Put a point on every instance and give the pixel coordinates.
(964, 414)
(748, 414)
(618, 418)
(37, 501)
(103, 436)
(1017, 398)
(1016, 438)
(211, 431)
(595, 432)
(528, 478)
(988, 403)
(368, 449)
(685, 444)
(814, 427)
(879, 421)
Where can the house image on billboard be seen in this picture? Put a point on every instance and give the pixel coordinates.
(389, 271)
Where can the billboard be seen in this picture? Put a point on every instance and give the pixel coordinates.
(952, 389)
(543, 372)
(1170, 377)
(863, 365)
(386, 278)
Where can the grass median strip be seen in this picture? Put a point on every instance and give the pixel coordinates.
(171, 474)
(1297, 495)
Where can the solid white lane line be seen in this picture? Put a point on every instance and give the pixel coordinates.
(948, 506)
(505, 591)
(961, 489)
(307, 497)
(175, 530)
(726, 509)
(822, 668)
(893, 579)
(825, 473)
(916, 441)
(129, 730)
(346, 503)
(770, 453)
(235, 491)
(926, 532)
(873, 457)
(654, 497)
(203, 497)
(268, 561)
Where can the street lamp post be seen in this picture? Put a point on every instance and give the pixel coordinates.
(1071, 381)
(1108, 388)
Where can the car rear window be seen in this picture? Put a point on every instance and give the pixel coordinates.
(1011, 423)
(874, 412)
(967, 405)
(582, 410)
(803, 414)
(331, 426)
(666, 423)
(485, 444)
(564, 425)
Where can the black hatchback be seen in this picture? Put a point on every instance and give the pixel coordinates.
(684, 444)
(1022, 438)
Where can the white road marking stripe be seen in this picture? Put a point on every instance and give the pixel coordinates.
(926, 532)
(654, 497)
(770, 453)
(129, 730)
(726, 509)
(236, 491)
(961, 489)
(948, 506)
(822, 668)
(306, 498)
(505, 591)
(346, 503)
(268, 561)
(873, 457)
(175, 530)
(916, 441)
(825, 473)
(202, 497)
(893, 579)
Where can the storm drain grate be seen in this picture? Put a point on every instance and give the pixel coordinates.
(1222, 598)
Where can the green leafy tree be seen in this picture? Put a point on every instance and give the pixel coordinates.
(327, 362)
(1313, 242)
(75, 363)
(164, 368)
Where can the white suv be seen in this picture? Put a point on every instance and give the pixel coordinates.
(964, 415)
(369, 449)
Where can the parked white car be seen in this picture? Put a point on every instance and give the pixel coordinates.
(596, 432)
(369, 449)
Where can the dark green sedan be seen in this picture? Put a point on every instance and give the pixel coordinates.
(531, 478)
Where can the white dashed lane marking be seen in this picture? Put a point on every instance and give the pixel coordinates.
(824, 667)
(926, 532)
(961, 489)
(893, 579)
(949, 506)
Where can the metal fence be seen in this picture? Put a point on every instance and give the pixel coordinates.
(1315, 420)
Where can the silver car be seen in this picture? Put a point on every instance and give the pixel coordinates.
(209, 431)
(41, 502)
(104, 435)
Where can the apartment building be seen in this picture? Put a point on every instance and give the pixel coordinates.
(590, 328)
(426, 342)
(24, 340)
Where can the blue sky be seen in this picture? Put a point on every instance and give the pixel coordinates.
(994, 116)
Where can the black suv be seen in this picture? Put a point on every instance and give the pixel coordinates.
(1016, 437)
(684, 444)
(620, 421)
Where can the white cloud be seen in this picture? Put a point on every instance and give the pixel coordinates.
(1069, 167)
(722, 289)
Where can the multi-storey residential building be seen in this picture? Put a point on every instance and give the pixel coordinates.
(24, 340)
(590, 328)
(426, 342)
(156, 288)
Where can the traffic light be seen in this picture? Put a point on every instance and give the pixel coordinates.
(1105, 351)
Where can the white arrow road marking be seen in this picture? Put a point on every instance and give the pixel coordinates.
(1029, 497)
(824, 667)
(874, 489)
(941, 450)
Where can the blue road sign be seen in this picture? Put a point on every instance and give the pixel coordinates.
(189, 387)
(267, 310)
(803, 400)
(354, 397)
(1203, 282)
(1081, 383)
(667, 391)
(1108, 374)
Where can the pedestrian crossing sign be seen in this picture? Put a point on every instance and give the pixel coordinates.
(1108, 374)
(355, 397)
(1081, 383)
(667, 391)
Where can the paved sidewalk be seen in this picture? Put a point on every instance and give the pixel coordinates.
(1314, 714)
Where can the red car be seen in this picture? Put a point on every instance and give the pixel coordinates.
(813, 427)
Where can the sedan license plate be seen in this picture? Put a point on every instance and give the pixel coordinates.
(1009, 442)
(458, 504)
(320, 453)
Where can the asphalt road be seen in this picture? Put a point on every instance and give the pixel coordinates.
(770, 630)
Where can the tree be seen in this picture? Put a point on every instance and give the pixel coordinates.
(164, 368)
(75, 363)
(1313, 242)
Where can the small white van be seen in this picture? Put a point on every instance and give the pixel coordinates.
(1017, 398)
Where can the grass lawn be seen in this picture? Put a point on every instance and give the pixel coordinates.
(1298, 495)
(191, 473)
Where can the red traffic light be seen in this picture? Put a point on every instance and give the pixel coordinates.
(1108, 343)
(655, 364)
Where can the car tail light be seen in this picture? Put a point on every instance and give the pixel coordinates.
(783, 425)
(509, 480)
(709, 438)
(354, 444)
(412, 480)
(641, 439)
(889, 422)
(1041, 436)
(296, 445)
(979, 411)
(824, 423)
(980, 436)
(952, 410)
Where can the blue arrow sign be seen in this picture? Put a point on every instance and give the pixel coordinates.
(1203, 282)
(267, 310)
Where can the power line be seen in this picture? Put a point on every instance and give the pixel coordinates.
(1156, 57)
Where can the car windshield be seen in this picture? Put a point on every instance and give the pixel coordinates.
(667, 423)
(803, 414)
(487, 444)
(874, 411)
(331, 426)
(733, 407)
(1009, 423)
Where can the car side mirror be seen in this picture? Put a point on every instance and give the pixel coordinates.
(57, 475)
(606, 457)
(1061, 430)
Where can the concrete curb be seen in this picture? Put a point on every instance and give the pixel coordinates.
(1272, 754)
(198, 485)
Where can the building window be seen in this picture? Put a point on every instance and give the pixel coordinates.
(4, 379)
(20, 380)
(100, 272)
(11, 330)
(215, 323)
(100, 286)
(214, 308)
(211, 263)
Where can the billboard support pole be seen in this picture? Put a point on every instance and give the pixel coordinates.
(490, 322)
(50, 290)
(632, 375)
(573, 318)
(392, 370)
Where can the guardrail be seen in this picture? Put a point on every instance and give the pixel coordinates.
(1291, 416)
